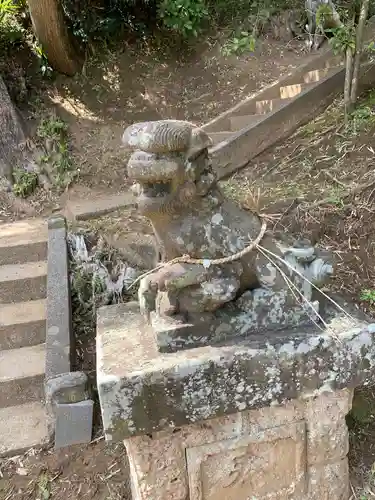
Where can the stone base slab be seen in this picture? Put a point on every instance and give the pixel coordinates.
(143, 390)
(294, 451)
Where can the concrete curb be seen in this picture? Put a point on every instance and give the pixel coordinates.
(97, 206)
(66, 391)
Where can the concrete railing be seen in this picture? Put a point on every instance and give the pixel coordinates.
(69, 408)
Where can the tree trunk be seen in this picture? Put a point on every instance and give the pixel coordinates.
(12, 135)
(51, 30)
(12, 152)
(348, 82)
(358, 51)
(16, 150)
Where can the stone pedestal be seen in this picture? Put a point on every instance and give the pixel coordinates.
(262, 418)
(294, 451)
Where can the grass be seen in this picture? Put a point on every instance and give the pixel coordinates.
(96, 280)
(43, 486)
(54, 163)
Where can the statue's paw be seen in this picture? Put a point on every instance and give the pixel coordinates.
(147, 296)
(302, 250)
(320, 270)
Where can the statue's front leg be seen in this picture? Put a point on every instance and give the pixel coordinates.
(185, 289)
(160, 291)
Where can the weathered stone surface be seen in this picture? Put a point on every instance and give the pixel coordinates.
(73, 423)
(258, 454)
(177, 191)
(328, 439)
(234, 468)
(59, 338)
(71, 387)
(231, 378)
(138, 250)
(97, 205)
(23, 241)
(153, 391)
(165, 136)
(21, 428)
(69, 409)
(329, 482)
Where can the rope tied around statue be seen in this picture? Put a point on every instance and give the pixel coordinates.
(206, 263)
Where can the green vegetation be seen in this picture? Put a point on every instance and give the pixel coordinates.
(11, 30)
(25, 183)
(244, 42)
(368, 295)
(57, 161)
(185, 17)
(110, 21)
(44, 488)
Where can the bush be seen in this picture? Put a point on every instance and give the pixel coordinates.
(25, 183)
(11, 31)
(244, 42)
(105, 20)
(185, 17)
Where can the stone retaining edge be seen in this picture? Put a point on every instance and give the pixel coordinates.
(69, 408)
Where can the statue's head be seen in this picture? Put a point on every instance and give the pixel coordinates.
(169, 163)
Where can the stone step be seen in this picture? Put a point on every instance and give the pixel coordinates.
(23, 282)
(22, 324)
(22, 375)
(23, 241)
(334, 62)
(270, 105)
(315, 75)
(97, 205)
(240, 122)
(293, 90)
(22, 427)
(220, 136)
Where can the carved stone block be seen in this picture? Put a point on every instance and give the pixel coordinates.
(329, 482)
(258, 454)
(269, 465)
(327, 431)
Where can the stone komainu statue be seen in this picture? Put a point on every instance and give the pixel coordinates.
(177, 191)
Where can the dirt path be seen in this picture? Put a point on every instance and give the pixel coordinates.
(97, 471)
(128, 88)
(145, 83)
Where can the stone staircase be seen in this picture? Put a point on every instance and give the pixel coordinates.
(267, 101)
(275, 112)
(23, 277)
